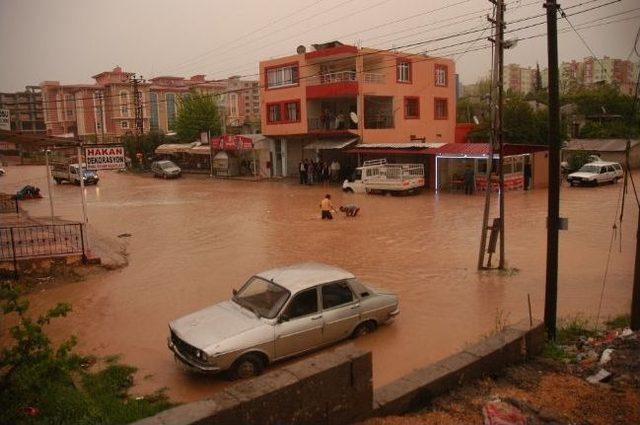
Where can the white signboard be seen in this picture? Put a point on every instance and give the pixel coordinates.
(5, 119)
(104, 157)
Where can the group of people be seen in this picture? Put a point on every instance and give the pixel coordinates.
(312, 172)
(327, 209)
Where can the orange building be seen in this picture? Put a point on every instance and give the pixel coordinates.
(339, 93)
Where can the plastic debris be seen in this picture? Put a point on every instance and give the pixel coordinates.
(606, 356)
(626, 332)
(602, 375)
(498, 412)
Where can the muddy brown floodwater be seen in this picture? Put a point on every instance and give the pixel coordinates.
(194, 240)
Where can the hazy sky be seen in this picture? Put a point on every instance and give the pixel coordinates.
(71, 40)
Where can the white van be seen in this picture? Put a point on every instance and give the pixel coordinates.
(595, 173)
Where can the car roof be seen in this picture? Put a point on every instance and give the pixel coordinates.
(304, 275)
(602, 163)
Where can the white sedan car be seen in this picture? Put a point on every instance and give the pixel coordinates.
(595, 173)
(277, 314)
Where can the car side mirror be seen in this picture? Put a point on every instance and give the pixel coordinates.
(283, 318)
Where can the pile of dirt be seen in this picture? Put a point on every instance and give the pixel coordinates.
(549, 390)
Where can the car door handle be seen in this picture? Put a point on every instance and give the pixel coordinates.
(317, 317)
(353, 307)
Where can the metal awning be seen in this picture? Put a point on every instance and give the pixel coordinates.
(330, 143)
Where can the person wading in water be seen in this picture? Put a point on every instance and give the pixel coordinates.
(326, 207)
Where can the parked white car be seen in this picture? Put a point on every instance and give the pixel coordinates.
(277, 314)
(595, 173)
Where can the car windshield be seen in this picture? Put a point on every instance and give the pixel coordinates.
(590, 169)
(262, 297)
(166, 164)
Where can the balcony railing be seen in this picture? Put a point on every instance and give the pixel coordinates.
(331, 124)
(370, 77)
(333, 77)
(378, 121)
(345, 76)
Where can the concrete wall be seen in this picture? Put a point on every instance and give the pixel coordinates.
(413, 391)
(333, 387)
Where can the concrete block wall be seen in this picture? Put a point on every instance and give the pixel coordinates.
(332, 387)
(514, 344)
(335, 386)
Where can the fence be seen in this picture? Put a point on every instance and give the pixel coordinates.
(40, 241)
(7, 204)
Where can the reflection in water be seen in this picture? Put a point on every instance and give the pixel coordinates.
(194, 240)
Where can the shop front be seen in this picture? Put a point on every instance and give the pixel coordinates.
(241, 155)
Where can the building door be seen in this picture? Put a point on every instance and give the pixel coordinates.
(277, 163)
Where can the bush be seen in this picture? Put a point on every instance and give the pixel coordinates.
(40, 384)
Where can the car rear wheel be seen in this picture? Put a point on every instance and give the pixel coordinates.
(364, 328)
(247, 366)
(348, 190)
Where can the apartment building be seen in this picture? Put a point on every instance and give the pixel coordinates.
(518, 79)
(25, 108)
(591, 71)
(105, 110)
(339, 93)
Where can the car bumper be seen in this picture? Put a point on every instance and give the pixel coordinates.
(190, 364)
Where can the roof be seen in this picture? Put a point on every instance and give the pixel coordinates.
(330, 144)
(304, 275)
(457, 149)
(599, 145)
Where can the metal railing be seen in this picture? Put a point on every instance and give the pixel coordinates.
(331, 124)
(370, 77)
(345, 76)
(8, 204)
(378, 121)
(333, 77)
(38, 241)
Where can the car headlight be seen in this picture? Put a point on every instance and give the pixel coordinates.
(201, 355)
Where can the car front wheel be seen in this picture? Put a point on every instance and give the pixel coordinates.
(247, 366)
(364, 328)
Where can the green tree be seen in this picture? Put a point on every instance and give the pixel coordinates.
(198, 113)
(145, 144)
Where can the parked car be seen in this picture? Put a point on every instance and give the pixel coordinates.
(62, 172)
(165, 169)
(595, 173)
(277, 314)
(377, 176)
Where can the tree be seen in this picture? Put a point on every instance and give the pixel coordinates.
(146, 144)
(537, 84)
(198, 113)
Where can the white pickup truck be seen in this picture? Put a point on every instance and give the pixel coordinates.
(378, 176)
(69, 172)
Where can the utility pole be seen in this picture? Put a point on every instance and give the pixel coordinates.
(635, 295)
(138, 110)
(495, 145)
(553, 218)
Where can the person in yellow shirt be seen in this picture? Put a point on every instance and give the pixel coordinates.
(327, 207)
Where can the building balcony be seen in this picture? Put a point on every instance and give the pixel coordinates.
(331, 125)
(341, 83)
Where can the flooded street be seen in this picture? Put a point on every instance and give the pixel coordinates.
(193, 240)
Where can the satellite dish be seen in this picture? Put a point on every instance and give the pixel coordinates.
(301, 49)
(354, 117)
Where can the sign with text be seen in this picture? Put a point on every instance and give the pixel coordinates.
(232, 142)
(5, 119)
(104, 157)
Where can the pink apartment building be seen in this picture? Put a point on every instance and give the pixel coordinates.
(104, 110)
(339, 93)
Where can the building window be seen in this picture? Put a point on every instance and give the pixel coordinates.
(171, 109)
(124, 104)
(124, 124)
(282, 76)
(233, 105)
(412, 107)
(292, 113)
(283, 112)
(404, 71)
(153, 118)
(440, 109)
(441, 76)
(273, 113)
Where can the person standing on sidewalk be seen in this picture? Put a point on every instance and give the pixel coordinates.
(302, 169)
(326, 207)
